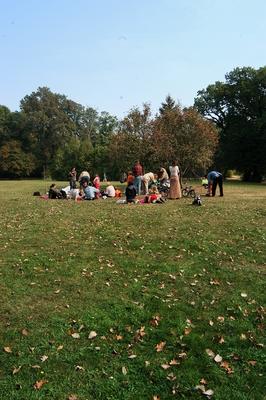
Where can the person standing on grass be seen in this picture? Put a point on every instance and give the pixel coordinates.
(163, 175)
(175, 189)
(72, 178)
(137, 172)
(214, 178)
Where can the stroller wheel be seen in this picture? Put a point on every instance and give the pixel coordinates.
(184, 192)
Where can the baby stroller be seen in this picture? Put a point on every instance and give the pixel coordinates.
(163, 187)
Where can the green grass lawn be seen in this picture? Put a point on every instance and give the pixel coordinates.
(158, 284)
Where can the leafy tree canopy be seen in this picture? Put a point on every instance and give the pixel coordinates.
(238, 107)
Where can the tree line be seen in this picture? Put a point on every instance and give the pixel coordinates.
(226, 127)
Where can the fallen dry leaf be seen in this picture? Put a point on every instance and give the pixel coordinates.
(24, 332)
(173, 362)
(39, 384)
(214, 282)
(72, 397)
(60, 347)
(208, 392)
(44, 358)
(155, 320)
(16, 370)
(92, 335)
(244, 295)
(165, 366)
(160, 346)
(132, 356)
(252, 362)
(79, 368)
(221, 340)
(124, 370)
(171, 377)
(8, 349)
(225, 365)
(218, 358)
(210, 353)
(200, 387)
(75, 335)
(187, 331)
(203, 381)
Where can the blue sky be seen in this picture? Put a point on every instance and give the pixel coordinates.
(116, 54)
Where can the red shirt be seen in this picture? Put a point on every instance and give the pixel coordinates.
(137, 170)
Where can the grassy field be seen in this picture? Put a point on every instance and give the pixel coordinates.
(107, 301)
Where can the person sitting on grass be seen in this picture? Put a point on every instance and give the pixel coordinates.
(118, 192)
(130, 177)
(131, 193)
(54, 193)
(154, 196)
(97, 185)
(90, 192)
(109, 190)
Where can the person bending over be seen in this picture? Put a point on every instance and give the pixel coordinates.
(214, 178)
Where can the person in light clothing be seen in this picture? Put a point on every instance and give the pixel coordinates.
(175, 189)
(147, 180)
(90, 192)
(109, 191)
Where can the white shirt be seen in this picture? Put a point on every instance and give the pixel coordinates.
(110, 191)
(174, 170)
(148, 177)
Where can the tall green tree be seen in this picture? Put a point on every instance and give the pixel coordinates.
(184, 135)
(14, 162)
(238, 108)
(52, 120)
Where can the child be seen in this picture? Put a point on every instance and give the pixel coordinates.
(97, 185)
(204, 182)
(154, 196)
(131, 193)
(118, 193)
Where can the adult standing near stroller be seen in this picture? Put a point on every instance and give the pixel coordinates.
(175, 189)
(163, 175)
(137, 172)
(72, 178)
(214, 178)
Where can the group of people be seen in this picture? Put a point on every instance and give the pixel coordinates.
(138, 183)
(83, 188)
(145, 183)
